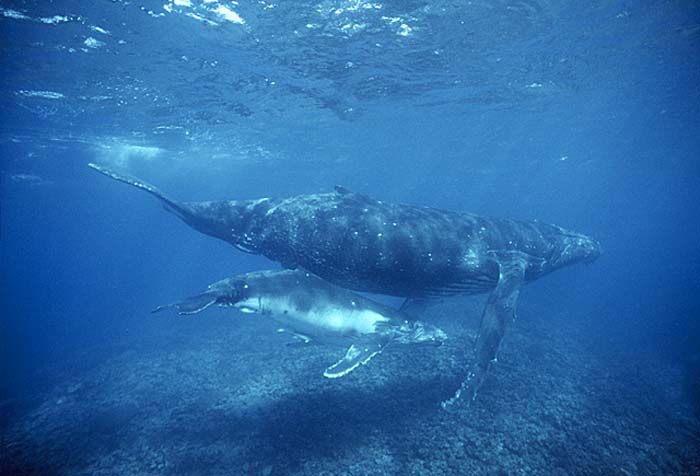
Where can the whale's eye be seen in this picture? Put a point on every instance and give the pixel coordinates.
(240, 289)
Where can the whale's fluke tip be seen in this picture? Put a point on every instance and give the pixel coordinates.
(98, 167)
(180, 210)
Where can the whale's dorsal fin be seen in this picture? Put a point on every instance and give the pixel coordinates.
(355, 356)
(346, 193)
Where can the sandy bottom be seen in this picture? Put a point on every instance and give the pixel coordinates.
(232, 398)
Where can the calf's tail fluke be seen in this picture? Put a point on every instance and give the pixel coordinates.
(179, 209)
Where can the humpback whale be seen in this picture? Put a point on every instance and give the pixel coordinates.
(313, 309)
(419, 253)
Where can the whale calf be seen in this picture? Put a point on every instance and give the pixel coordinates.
(418, 253)
(313, 309)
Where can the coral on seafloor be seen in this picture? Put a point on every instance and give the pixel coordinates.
(232, 399)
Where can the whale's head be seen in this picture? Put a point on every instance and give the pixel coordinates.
(570, 247)
(416, 332)
(259, 291)
(227, 292)
(234, 292)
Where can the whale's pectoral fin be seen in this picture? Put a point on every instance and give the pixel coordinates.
(355, 356)
(192, 305)
(497, 316)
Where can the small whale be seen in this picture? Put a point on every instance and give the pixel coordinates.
(311, 308)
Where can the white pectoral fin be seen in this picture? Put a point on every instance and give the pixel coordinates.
(299, 340)
(355, 356)
(497, 316)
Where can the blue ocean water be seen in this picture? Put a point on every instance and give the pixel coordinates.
(583, 114)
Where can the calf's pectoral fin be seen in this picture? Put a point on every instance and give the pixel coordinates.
(299, 340)
(498, 313)
(191, 305)
(355, 356)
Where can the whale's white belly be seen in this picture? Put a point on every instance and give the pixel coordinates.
(321, 318)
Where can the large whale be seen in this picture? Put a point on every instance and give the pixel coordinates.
(418, 253)
(311, 308)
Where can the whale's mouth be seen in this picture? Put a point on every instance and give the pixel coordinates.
(593, 251)
(575, 248)
(245, 307)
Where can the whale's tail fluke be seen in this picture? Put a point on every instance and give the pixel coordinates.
(218, 219)
(181, 210)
